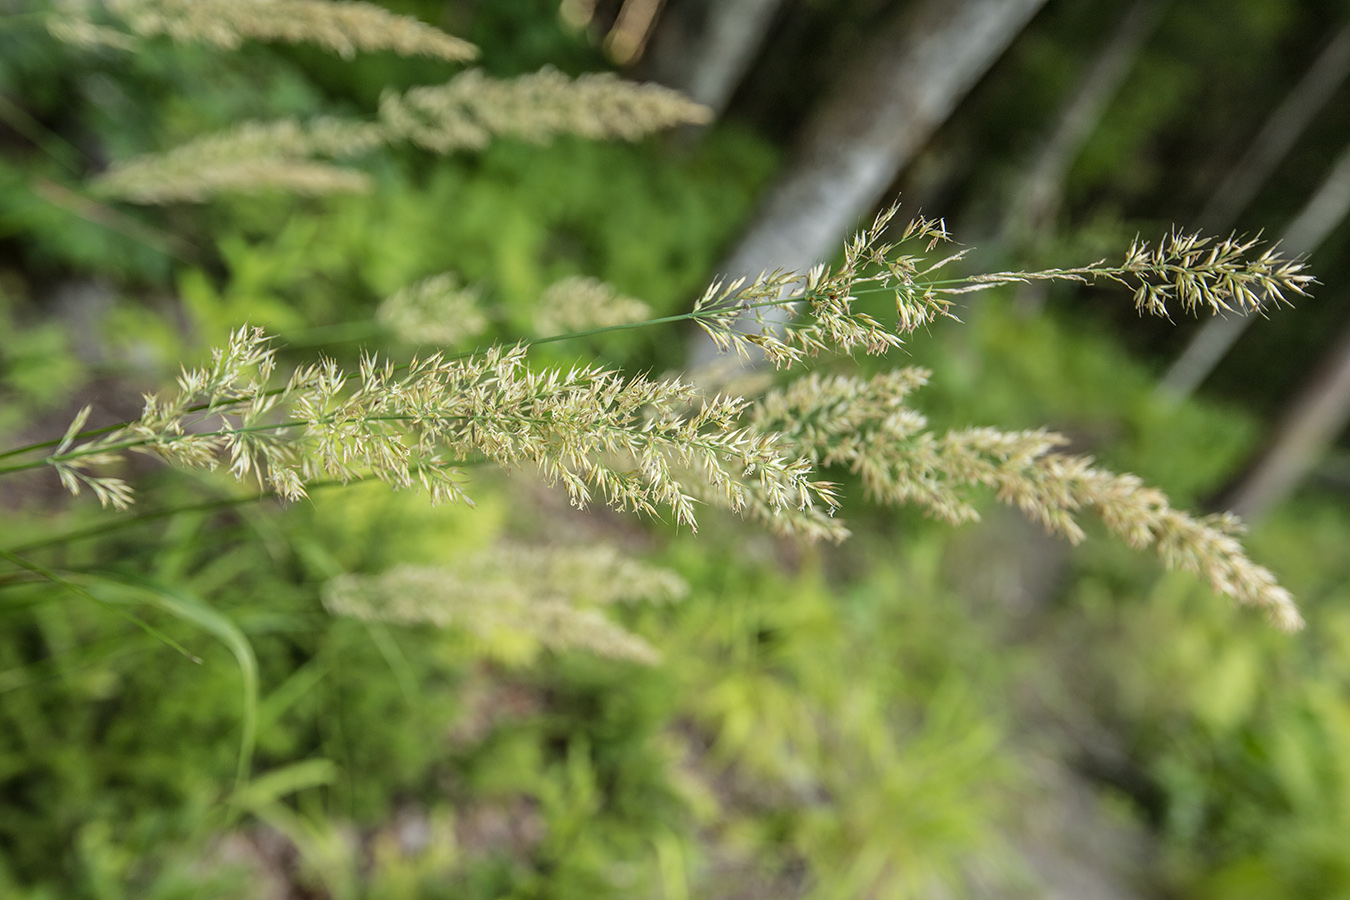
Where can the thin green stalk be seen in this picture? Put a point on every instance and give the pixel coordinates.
(693, 315)
(140, 518)
(80, 591)
(20, 18)
(42, 137)
(101, 214)
(74, 659)
(628, 326)
(82, 436)
(152, 515)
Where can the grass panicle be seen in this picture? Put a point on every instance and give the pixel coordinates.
(466, 113)
(471, 109)
(661, 446)
(517, 599)
(436, 310)
(582, 304)
(599, 434)
(342, 27)
(865, 426)
(1197, 272)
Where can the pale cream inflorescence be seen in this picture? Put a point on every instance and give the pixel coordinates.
(435, 310)
(342, 27)
(623, 440)
(251, 157)
(516, 599)
(191, 184)
(579, 304)
(466, 113)
(639, 443)
(471, 109)
(1199, 273)
(653, 445)
(865, 426)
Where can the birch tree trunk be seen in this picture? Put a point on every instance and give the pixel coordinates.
(1276, 138)
(1311, 423)
(1037, 198)
(904, 84)
(703, 48)
(1035, 202)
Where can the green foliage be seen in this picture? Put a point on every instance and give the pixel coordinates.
(1242, 733)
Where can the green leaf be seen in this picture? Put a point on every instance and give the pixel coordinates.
(267, 789)
(191, 609)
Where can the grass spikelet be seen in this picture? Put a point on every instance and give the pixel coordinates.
(578, 304)
(517, 599)
(252, 157)
(471, 109)
(865, 426)
(342, 27)
(1215, 276)
(435, 310)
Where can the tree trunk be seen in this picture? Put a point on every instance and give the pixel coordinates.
(703, 48)
(1281, 130)
(1312, 422)
(1037, 198)
(905, 84)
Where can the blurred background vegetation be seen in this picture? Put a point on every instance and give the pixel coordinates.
(920, 712)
